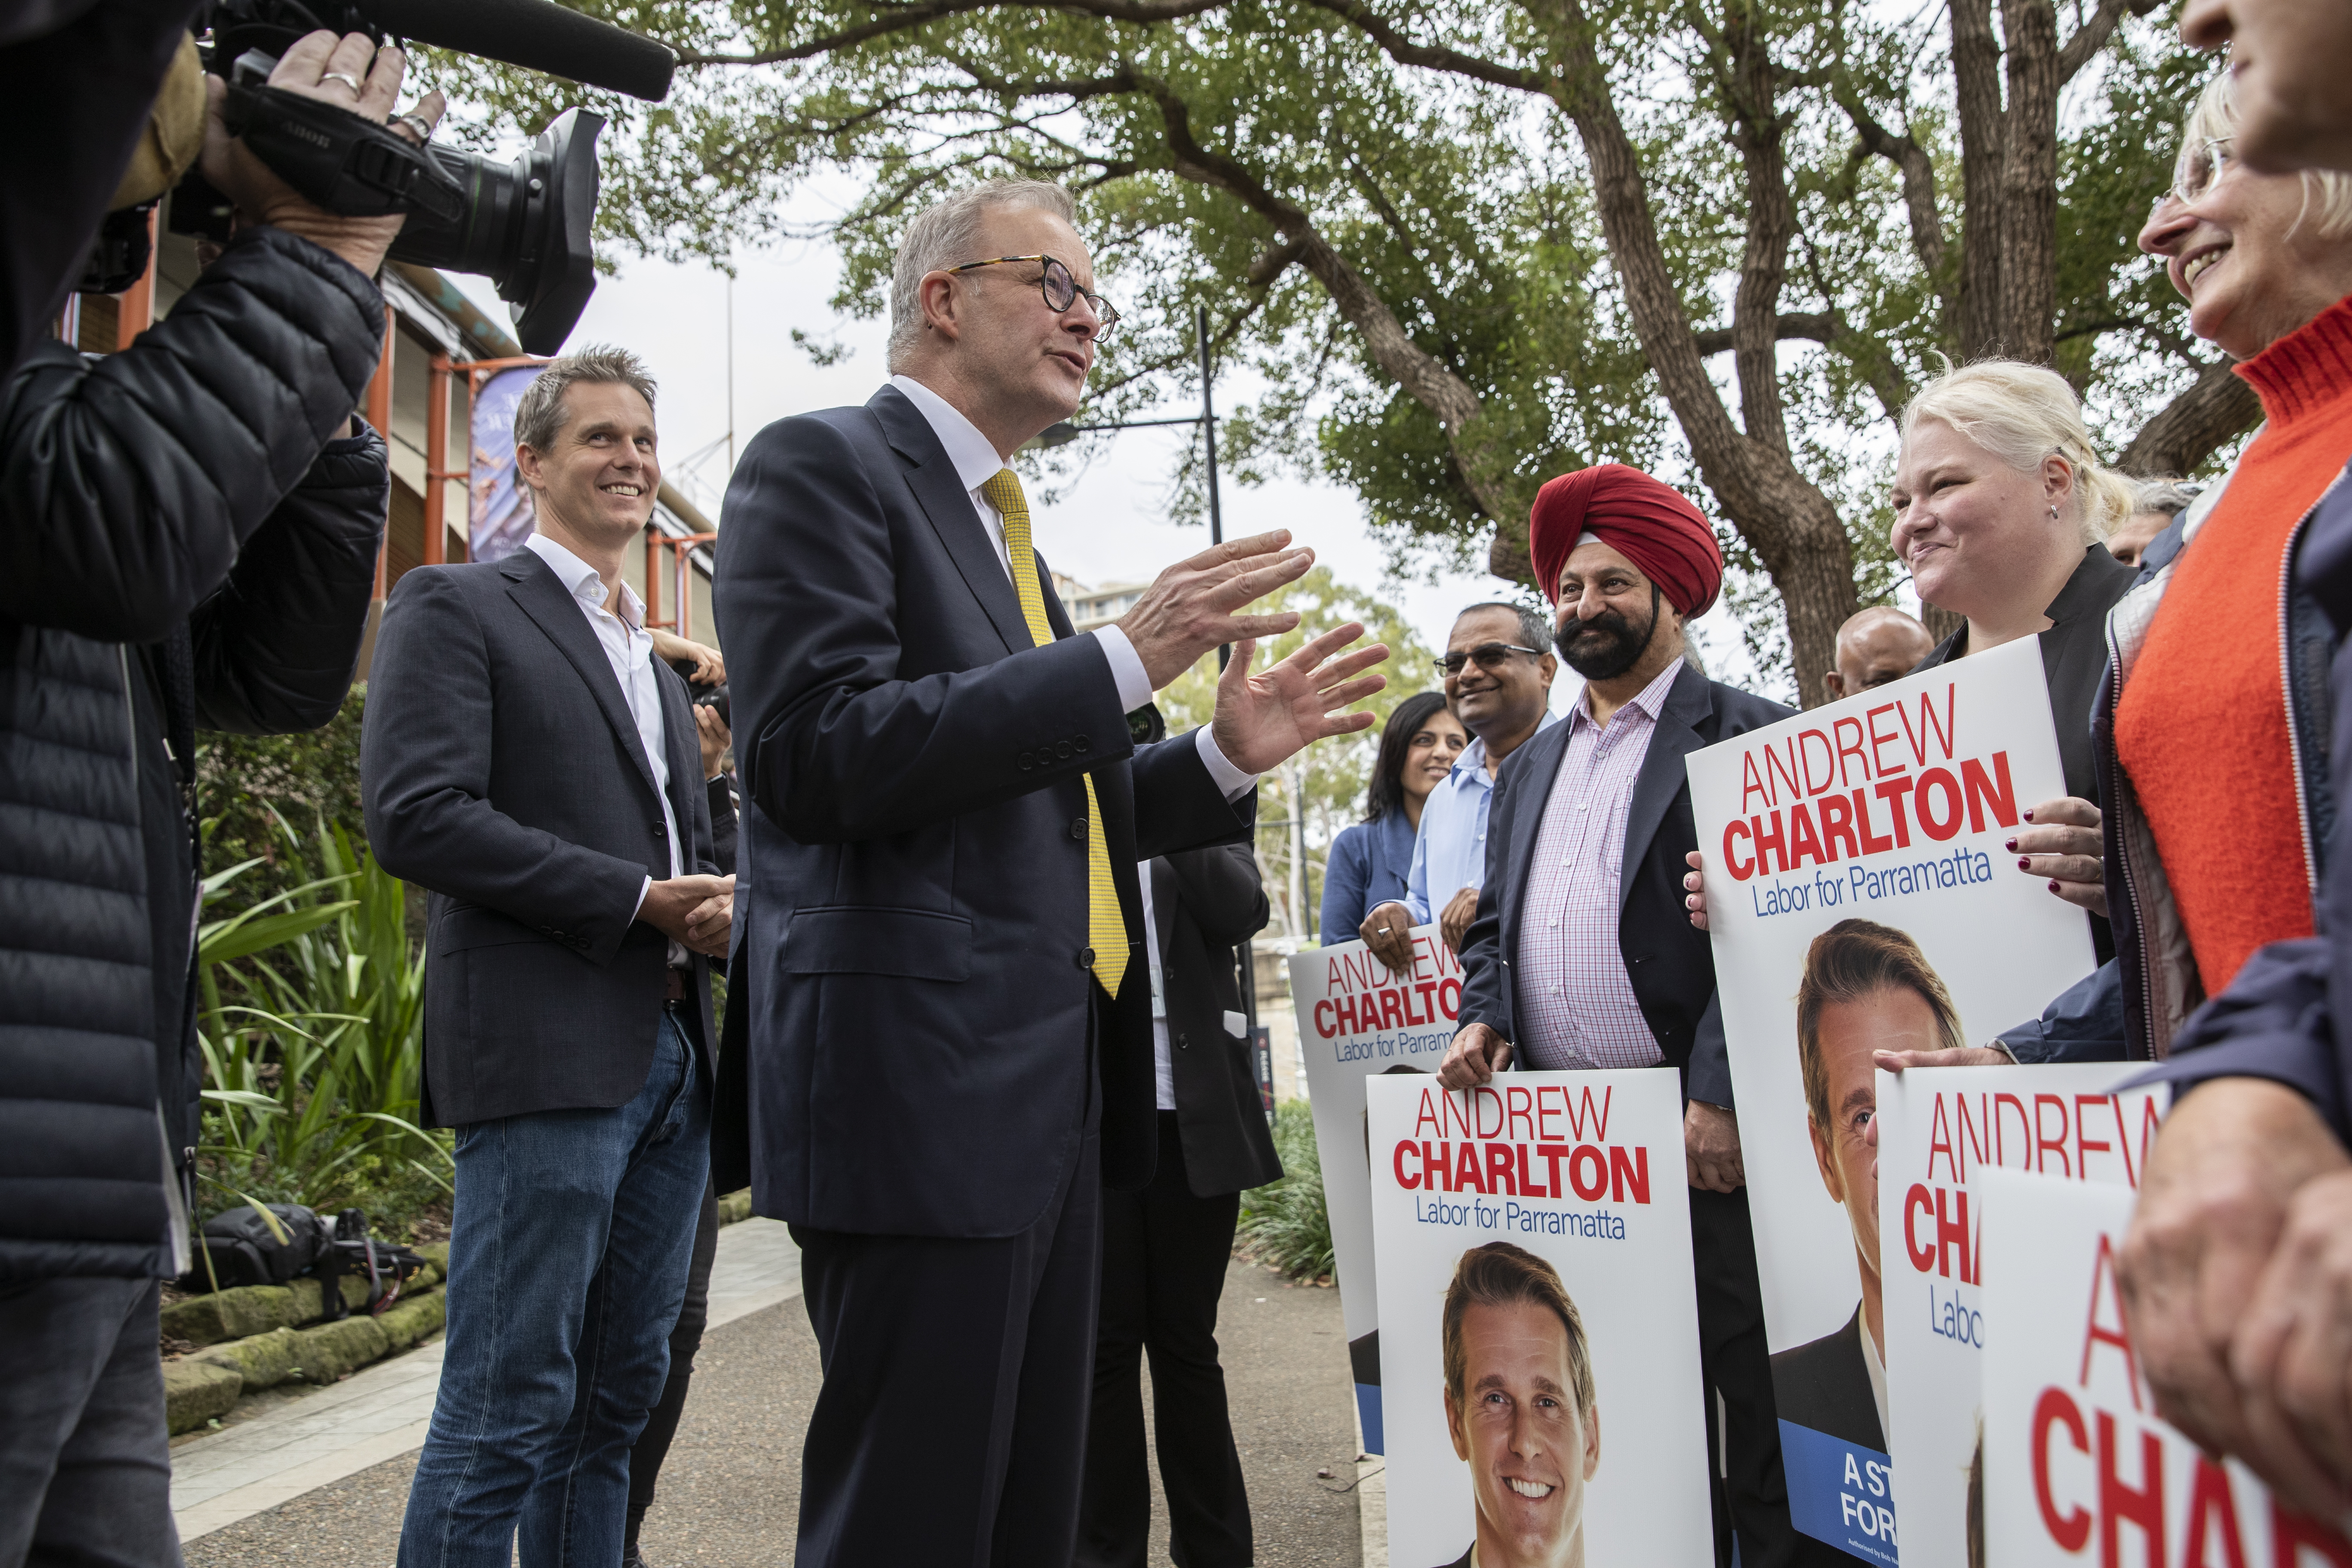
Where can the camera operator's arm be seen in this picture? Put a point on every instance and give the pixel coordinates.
(128, 484)
(275, 648)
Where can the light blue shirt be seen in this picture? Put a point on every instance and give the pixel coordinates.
(1450, 852)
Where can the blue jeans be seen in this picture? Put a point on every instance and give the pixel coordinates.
(568, 1258)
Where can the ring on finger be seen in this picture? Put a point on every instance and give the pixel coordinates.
(415, 122)
(346, 78)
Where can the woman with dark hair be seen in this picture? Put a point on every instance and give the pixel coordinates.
(1369, 861)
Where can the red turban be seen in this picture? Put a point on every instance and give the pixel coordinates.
(1651, 524)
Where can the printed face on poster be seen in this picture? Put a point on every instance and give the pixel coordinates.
(1939, 1131)
(1861, 898)
(1539, 1329)
(2076, 1465)
(1357, 1020)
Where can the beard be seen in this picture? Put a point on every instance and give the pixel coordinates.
(1608, 645)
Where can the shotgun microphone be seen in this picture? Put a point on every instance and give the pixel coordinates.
(536, 35)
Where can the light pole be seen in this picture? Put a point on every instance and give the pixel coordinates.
(1061, 435)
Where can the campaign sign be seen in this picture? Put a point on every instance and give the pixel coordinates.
(1939, 1131)
(1356, 1020)
(1539, 1329)
(2077, 1466)
(1860, 896)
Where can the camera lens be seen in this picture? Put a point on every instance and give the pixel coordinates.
(525, 227)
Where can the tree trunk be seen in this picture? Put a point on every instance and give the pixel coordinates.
(2194, 426)
(2029, 183)
(1975, 69)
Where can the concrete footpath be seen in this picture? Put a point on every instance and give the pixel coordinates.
(321, 1481)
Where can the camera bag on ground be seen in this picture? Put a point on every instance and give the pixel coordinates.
(243, 1249)
(387, 1267)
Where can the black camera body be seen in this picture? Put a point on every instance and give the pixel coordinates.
(527, 226)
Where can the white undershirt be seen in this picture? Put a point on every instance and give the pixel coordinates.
(1877, 1365)
(975, 461)
(629, 648)
(1163, 1066)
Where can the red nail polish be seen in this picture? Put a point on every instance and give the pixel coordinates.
(2029, 816)
(2025, 864)
(2054, 884)
(2009, 844)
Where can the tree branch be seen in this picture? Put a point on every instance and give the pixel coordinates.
(1808, 326)
(2093, 35)
(906, 18)
(1453, 62)
(2193, 425)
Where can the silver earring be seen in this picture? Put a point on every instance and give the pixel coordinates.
(2053, 514)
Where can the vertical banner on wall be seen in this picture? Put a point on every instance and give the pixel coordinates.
(1540, 1328)
(499, 509)
(1855, 859)
(1940, 1132)
(1358, 1019)
(2077, 1466)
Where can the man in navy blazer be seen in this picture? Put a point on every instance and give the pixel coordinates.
(527, 760)
(950, 1034)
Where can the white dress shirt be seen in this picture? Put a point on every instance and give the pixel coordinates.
(975, 461)
(1163, 1066)
(1449, 852)
(629, 648)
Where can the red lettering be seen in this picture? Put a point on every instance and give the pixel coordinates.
(1426, 990)
(1517, 1104)
(2119, 1504)
(1879, 744)
(1436, 1168)
(1406, 1177)
(1528, 1186)
(1939, 1141)
(1805, 758)
(1769, 844)
(2072, 1529)
(1845, 749)
(1502, 1176)
(1741, 869)
(1322, 1027)
(1982, 793)
(1872, 843)
(1586, 1153)
(1916, 1202)
(1542, 1110)
(2042, 1143)
(1804, 844)
(1939, 827)
(1449, 1005)
(1950, 1233)
(1750, 780)
(2084, 1146)
(1837, 823)
(1485, 1099)
(1629, 1175)
(2111, 1333)
(2292, 1533)
(1391, 1013)
(1894, 792)
(2211, 1504)
(1554, 1153)
(1467, 1177)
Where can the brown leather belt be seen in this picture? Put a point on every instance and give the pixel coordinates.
(673, 985)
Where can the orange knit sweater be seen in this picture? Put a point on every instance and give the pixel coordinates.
(2203, 727)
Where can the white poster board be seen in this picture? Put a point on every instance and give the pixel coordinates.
(1356, 1020)
(1890, 809)
(2077, 1466)
(1575, 1178)
(1939, 1132)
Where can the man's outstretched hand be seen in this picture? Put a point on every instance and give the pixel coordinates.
(1190, 608)
(1263, 721)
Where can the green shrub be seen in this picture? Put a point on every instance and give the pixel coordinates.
(1286, 1222)
(247, 783)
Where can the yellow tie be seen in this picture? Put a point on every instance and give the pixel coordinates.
(1106, 927)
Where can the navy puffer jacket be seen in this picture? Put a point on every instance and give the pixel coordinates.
(187, 541)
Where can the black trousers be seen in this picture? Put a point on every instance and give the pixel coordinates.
(661, 1424)
(1163, 1269)
(952, 1424)
(1752, 1498)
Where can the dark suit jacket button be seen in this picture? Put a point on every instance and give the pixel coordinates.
(1183, 1044)
(1078, 828)
(1082, 744)
(1028, 761)
(1064, 750)
(1086, 958)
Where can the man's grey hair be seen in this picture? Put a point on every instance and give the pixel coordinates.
(540, 417)
(2167, 495)
(1535, 631)
(945, 234)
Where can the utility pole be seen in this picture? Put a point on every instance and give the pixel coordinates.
(730, 377)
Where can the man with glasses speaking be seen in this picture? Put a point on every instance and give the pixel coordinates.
(1498, 669)
(950, 1040)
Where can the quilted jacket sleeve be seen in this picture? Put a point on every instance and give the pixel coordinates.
(129, 484)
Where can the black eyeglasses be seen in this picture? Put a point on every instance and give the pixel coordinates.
(1491, 655)
(1060, 288)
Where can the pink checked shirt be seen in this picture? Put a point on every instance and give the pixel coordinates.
(1576, 1006)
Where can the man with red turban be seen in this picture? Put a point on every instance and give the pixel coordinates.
(1587, 838)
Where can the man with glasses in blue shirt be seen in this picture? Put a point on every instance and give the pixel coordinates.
(1498, 669)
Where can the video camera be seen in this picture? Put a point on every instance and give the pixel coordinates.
(526, 226)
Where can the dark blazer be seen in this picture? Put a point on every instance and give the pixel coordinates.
(916, 940)
(1668, 960)
(1366, 868)
(503, 771)
(1204, 903)
(1825, 1384)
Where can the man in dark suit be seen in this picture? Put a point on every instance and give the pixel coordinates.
(1581, 954)
(527, 760)
(1165, 1247)
(950, 1041)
